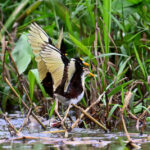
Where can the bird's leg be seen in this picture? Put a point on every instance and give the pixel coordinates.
(61, 119)
(56, 110)
(66, 113)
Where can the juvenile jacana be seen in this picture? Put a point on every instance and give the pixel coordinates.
(62, 78)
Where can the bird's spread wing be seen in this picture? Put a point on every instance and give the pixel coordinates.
(37, 38)
(54, 63)
(48, 57)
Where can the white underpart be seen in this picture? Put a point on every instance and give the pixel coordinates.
(65, 101)
(83, 79)
(78, 99)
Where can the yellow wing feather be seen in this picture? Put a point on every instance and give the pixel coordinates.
(37, 38)
(47, 56)
(54, 64)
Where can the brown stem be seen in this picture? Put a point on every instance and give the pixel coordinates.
(90, 117)
(24, 104)
(82, 115)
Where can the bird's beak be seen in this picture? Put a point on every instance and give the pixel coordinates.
(86, 70)
(91, 74)
(84, 63)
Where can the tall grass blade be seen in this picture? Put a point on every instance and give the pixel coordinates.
(52, 109)
(118, 88)
(83, 48)
(139, 61)
(107, 23)
(112, 110)
(13, 17)
(31, 79)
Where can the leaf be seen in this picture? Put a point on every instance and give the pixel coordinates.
(61, 11)
(13, 16)
(118, 23)
(134, 36)
(81, 46)
(107, 23)
(138, 108)
(68, 23)
(85, 125)
(135, 1)
(22, 53)
(37, 77)
(110, 54)
(84, 102)
(5, 97)
(31, 79)
(121, 69)
(52, 109)
(148, 119)
(112, 110)
(118, 88)
(90, 6)
(139, 61)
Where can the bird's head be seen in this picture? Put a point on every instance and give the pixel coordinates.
(82, 66)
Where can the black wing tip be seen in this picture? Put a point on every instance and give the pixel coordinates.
(50, 41)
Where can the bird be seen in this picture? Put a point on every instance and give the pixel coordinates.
(61, 78)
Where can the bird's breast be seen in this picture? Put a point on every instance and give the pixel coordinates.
(66, 101)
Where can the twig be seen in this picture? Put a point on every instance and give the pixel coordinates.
(66, 113)
(141, 117)
(132, 115)
(12, 126)
(90, 117)
(50, 140)
(82, 115)
(3, 52)
(144, 113)
(19, 76)
(126, 102)
(3, 27)
(26, 120)
(57, 131)
(62, 122)
(125, 128)
(24, 104)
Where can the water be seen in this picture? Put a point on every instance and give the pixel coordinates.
(85, 139)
